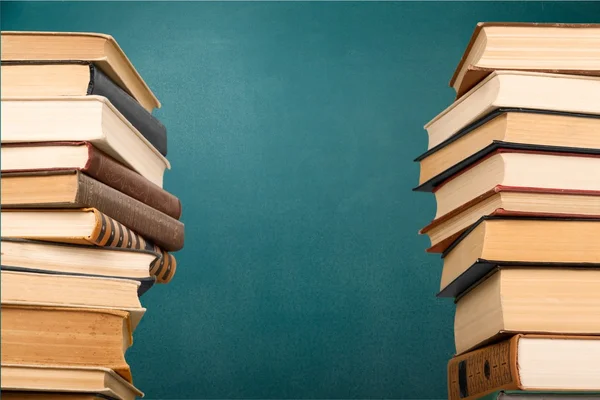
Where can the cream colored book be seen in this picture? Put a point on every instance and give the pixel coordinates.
(98, 48)
(516, 89)
(548, 47)
(59, 290)
(77, 259)
(523, 170)
(533, 128)
(528, 300)
(69, 379)
(81, 118)
(510, 201)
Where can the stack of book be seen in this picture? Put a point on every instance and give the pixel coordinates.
(514, 164)
(86, 226)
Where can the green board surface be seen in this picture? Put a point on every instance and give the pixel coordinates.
(292, 129)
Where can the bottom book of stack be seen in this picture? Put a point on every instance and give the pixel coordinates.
(559, 365)
(65, 336)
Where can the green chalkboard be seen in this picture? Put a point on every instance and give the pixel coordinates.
(292, 129)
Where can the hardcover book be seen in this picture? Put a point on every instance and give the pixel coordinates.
(73, 189)
(50, 157)
(51, 79)
(98, 48)
(528, 362)
(555, 301)
(81, 380)
(82, 118)
(39, 335)
(544, 47)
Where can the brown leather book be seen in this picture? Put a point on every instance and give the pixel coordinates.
(66, 336)
(48, 157)
(73, 189)
(86, 226)
(527, 362)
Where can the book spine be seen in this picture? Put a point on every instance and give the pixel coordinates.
(166, 232)
(112, 173)
(148, 125)
(480, 372)
(112, 233)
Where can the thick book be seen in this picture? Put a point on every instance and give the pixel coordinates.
(544, 47)
(566, 131)
(37, 79)
(81, 380)
(510, 201)
(56, 290)
(520, 241)
(73, 189)
(519, 168)
(87, 226)
(529, 363)
(49, 157)
(516, 89)
(82, 118)
(101, 49)
(556, 301)
(40, 335)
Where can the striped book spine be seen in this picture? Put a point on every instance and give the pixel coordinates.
(112, 233)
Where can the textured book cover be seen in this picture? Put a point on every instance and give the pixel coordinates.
(112, 173)
(490, 369)
(165, 231)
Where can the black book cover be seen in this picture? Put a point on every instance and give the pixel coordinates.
(431, 184)
(101, 85)
(482, 268)
(434, 182)
(150, 127)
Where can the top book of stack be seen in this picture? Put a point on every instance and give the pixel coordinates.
(99, 49)
(535, 47)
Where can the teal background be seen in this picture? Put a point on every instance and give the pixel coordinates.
(292, 129)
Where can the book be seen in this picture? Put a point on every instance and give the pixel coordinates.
(547, 47)
(510, 201)
(72, 291)
(73, 189)
(112, 262)
(527, 362)
(523, 169)
(556, 301)
(525, 126)
(516, 89)
(51, 79)
(86, 226)
(519, 240)
(64, 378)
(48, 157)
(40, 335)
(101, 49)
(82, 118)
(540, 395)
(18, 395)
